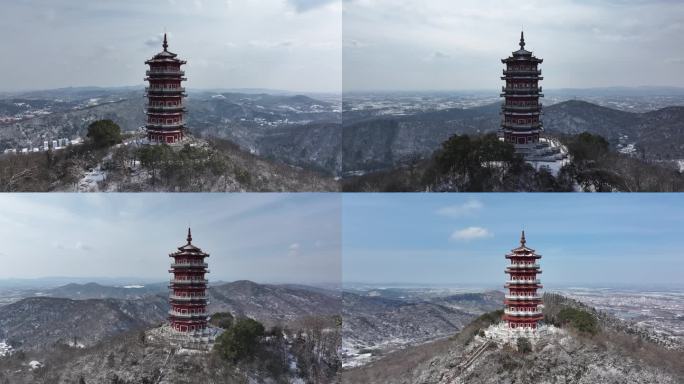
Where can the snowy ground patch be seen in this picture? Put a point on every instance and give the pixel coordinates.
(5, 349)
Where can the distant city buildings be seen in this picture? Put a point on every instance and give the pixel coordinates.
(55, 145)
(165, 121)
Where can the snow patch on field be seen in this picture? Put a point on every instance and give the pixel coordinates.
(5, 349)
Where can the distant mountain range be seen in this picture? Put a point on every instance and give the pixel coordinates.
(372, 143)
(376, 324)
(611, 354)
(92, 312)
(290, 128)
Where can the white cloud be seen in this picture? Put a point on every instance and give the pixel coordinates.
(438, 55)
(470, 207)
(307, 5)
(470, 233)
(293, 249)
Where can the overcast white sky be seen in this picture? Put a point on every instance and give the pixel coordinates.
(278, 238)
(279, 44)
(448, 44)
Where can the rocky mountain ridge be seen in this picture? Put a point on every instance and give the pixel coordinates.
(380, 143)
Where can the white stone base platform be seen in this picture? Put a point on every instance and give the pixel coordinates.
(198, 341)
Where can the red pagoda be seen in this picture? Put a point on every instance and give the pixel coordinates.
(165, 123)
(523, 302)
(188, 288)
(521, 123)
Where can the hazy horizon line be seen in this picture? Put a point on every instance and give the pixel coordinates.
(347, 91)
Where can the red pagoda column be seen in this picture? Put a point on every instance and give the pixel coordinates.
(521, 123)
(522, 302)
(165, 123)
(188, 288)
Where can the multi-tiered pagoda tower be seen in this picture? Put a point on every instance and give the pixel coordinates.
(188, 289)
(165, 123)
(523, 302)
(521, 124)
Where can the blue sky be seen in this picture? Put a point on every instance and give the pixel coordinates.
(277, 238)
(279, 44)
(452, 239)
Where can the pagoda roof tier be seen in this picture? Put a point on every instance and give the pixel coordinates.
(165, 56)
(173, 112)
(522, 297)
(164, 132)
(164, 126)
(524, 266)
(518, 91)
(165, 90)
(186, 304)
(189, 265)
(166, 72)
(188, 269)
(188, 315)
(523, 133)
(177, 282)
(511, 77)
(521, 95)
(522, 56)
(535, 112)
(529, 255)
(522, 313)
(149, 109)
(189, 249)
(203, 299)
(537, 107)
(152, 78)
(521, 319)
(519, 72)
(518, 127)
(521, 270)
(523, 286)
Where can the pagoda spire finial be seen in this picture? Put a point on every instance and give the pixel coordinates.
(189, 236)
(522, 40)
(165, 44)
(522, 238)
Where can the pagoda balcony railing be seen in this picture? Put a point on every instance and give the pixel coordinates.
(520, 281)
(188, 315)
(165, 125)
(521, 90)
(516, 114)
(510, 256)
(524, 266)
(189, 281)
(522, 313)
(165, 107)
(175, 269)
(521, 107)
(523, 297)
(148, 78)
(165, 72)
(165, 90)
(522, 72)
(521, 95)
(175, 265)
(187, 298)
(522, 126)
